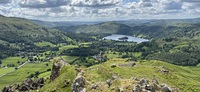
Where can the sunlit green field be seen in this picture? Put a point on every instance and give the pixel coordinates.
(21, 74)
(61, 49)
(5, 70)
(41, 44)
(67, 58)
(13, 60)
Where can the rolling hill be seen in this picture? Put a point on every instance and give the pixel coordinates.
(62, 23)
(17, 34)
(147, 29)
(180, 79)
(22, 30)
(102, 28)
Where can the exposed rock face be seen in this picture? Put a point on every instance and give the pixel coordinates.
(121, 89)
(94, 86)
(165, 88)
(143, 82)
(137, 88)
(66, 83)
(26, 85)
(155, 81)
(163, 70)
(144, 86)
(109, 82)
(10, 88)
(57, 66)
(79, 85)
(155, 86)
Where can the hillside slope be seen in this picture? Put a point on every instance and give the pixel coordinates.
(21, 30)
(125, 77)
(17, 34)
(102, 28)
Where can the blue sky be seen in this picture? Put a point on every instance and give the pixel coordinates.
(95, 10)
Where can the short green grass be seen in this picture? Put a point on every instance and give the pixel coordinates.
(21, 74)
(61, 49)
(186, 79)
(13, 60)
(67, 58)
(5, 70)
(42, 44)
(45, 75)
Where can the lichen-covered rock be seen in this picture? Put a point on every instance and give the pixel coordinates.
(135, 79)
(121, 89)
(57, 66)
(11, 88)
(109, 82)
(94, 86)
(155, 86)
(143, 82)
(137, 88)
(78, 84)
(26, 85)
(155, 81)
(165, 88)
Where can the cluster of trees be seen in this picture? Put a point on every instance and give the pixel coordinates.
(10, 65)
(82, 52)
(6, 51)
(85, 37)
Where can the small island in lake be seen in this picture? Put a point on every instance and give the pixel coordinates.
(123, 38)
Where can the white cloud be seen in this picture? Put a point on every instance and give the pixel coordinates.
(100, 9)
(43, 3)
(95, 3)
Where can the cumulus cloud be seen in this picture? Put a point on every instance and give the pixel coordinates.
(5, 1)
(95, 3)
(43, 3)
(78, 3)
(99, 9)
(171, 4)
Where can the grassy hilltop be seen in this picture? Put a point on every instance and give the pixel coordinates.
(185, 79)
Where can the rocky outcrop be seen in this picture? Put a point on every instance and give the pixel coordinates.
(79, 84)
(94, 86)
(109, 82)
(11, 88)
(137, 88)
(163, 70)
(165, 88)
(26, 85)
(121, 89)
(145, 86)
(57, 66)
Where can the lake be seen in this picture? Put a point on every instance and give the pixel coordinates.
(130, 38)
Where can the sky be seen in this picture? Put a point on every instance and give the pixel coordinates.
(100, 10)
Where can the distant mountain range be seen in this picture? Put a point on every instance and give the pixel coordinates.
(146, 29)
(62, 23)
(132, 22)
